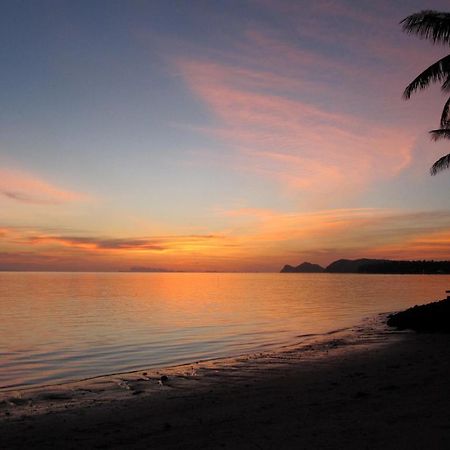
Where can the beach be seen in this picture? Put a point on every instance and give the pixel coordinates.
(368, 387)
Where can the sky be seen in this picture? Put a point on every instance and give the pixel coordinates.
(216, 135)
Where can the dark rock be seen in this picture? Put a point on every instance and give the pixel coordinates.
(288, 269)
(433, 317)
(305, 267)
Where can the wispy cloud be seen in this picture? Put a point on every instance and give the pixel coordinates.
(302, 146)
(24, 187)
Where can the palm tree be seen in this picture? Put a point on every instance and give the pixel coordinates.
(433, 25)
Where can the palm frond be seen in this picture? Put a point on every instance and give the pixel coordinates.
(439, 71)
(441, 133)
(429, 24)
(445, 119)
(446, 85)
(441, 164)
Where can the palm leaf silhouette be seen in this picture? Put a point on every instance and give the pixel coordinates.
(433, 25)
(441, 164)
(439, 71)
(441, 133)
(428, 24)
(445, 119)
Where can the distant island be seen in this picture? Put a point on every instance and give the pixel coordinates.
(305, 267)
(365, 265)
(147, 269)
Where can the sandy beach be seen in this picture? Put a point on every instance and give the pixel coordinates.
(367, 387)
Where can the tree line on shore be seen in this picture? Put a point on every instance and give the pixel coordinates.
(380, 266)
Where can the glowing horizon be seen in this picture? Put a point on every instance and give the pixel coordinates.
(195, 138)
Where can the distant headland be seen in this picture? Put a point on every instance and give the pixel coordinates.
(147, 269)
(305, 267)
(365, 265)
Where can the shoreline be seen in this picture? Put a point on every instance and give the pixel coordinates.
(374, 324)
(329, 394)
(17, 400)
(268, 349)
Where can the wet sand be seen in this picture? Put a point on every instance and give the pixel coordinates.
(361, 388)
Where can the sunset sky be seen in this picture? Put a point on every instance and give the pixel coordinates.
(216, 135)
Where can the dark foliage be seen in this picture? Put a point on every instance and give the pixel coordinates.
(440, 133)
(429, 24)
(351, 265)
(441, 164)
(435, 26)
(407, 267)
(437, 72)
(381, 266)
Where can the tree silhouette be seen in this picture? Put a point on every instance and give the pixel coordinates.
(435, 26)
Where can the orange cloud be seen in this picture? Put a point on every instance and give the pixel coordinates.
(434, 245)
(252, 239)
(33, 238)
(64, 252)
(327, 235)
(24, 187)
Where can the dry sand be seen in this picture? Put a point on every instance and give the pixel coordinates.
(365, 388)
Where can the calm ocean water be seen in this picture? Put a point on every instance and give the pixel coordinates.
(56, 327)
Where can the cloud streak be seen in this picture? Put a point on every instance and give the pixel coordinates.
(274, 132)
(252, 239)
(327, 235)
(33, 238)
(23, 187)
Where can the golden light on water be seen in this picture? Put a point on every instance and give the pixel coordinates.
(60, 326)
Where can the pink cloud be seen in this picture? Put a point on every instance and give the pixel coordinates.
(27, 188)
(302, 146)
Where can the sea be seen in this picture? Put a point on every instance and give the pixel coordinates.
(59, 327)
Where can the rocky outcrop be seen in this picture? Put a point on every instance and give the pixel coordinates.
(430, 318)
(305, 267)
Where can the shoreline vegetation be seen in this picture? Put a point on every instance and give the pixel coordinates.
(369, 382)
(373, 266)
